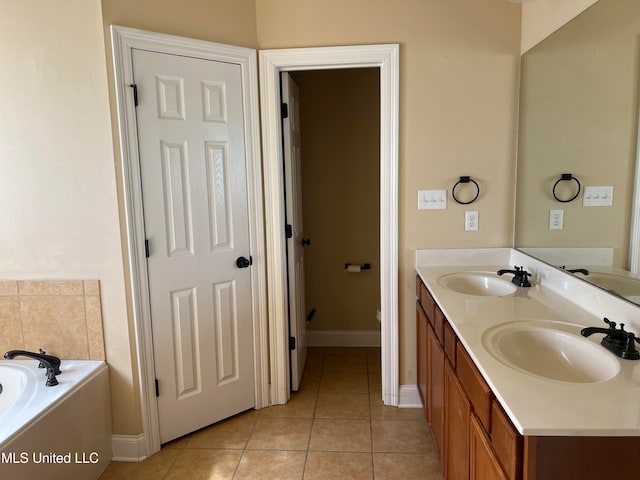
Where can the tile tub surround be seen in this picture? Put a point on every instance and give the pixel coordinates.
(535, 405)
(63, 317)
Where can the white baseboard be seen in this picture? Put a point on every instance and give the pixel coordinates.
(343, 338)
(409, 397)
(128, 448)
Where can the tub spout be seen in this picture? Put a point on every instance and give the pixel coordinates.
(51, 363)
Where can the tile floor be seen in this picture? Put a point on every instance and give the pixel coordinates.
(335, 427)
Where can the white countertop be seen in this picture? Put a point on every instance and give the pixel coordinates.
(537, 405)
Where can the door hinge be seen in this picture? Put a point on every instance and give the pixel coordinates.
(288, 230)
(135, 93)
(157, 388)
(146, 247)
(284, 110)
(292, 343)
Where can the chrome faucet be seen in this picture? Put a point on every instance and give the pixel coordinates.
(51, 363)
(520, 276)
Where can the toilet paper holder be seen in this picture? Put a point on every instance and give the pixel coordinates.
(356, 267)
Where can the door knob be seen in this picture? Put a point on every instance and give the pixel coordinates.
(306, 241)
(242, 262)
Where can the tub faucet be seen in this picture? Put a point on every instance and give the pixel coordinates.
(51, 363)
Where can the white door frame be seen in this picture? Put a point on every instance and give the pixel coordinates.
(124, 40)
(272, 62)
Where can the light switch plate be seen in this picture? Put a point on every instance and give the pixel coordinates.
(599, 196)
(432, 199)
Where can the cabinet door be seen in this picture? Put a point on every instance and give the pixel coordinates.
(483, 464)
(436, 391)
(421, 341)
(457, 415)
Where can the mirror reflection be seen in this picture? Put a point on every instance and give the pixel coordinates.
(579, 115)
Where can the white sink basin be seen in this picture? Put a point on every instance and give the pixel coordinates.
(478, 283)
(552, 350)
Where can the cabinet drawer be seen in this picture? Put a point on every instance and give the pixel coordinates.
(427, 303)
(506, 442)
(438, 324)
(474, 385)
(450, 343)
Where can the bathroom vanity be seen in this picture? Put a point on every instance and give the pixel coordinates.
(509, 386)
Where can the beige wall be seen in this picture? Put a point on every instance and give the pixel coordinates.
(58, 199)
(459, 64)
(579, 106)
(340, 120)
(543, 17)
(58, 191)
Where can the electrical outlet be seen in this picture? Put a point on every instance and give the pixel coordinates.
(556, 219)
(471, 220)
(432, 199)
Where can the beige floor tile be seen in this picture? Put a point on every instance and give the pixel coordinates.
(392, 466)
(280, 434)
(344, 382)
(381, 411)
(271, 465)
(338, 465)
(204, 464)
(302, 404)
(342, 405)
(339, 435)
(402, 436)
(179, 443)
(153, 468)
(355, 362)
(374, 361)
(232, 433)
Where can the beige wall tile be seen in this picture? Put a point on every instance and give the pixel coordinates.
(91, 287)
(51, 287)
(56, 324)
(10, 324)
(95, 336)
(8, 287)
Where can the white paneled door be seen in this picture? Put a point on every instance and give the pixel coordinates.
(295, 244)
(192, 159)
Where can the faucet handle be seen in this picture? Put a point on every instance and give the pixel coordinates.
(611, 324)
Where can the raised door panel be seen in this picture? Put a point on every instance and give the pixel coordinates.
(474, 386)
(436, 396)
(483, 464)
(506, 442)
(457, 417)
(421, 344)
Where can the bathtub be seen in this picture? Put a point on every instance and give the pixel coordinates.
(61, 432)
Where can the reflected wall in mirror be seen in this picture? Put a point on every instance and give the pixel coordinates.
(579, 115)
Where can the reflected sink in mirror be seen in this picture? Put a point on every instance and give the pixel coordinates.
(622, 285)
(486, 284)
(552, 350)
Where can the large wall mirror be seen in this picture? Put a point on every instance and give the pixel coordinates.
(579, 98)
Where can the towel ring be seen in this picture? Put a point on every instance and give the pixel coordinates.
(465, 179)
(566, 177)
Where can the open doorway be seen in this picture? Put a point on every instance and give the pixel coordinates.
(272, 63)
(340, 191)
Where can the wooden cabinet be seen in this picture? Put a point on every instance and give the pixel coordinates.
(474, 437)
(421, 342)
(435, 388)
(453, 394)
(457, 414)
(483, 464)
